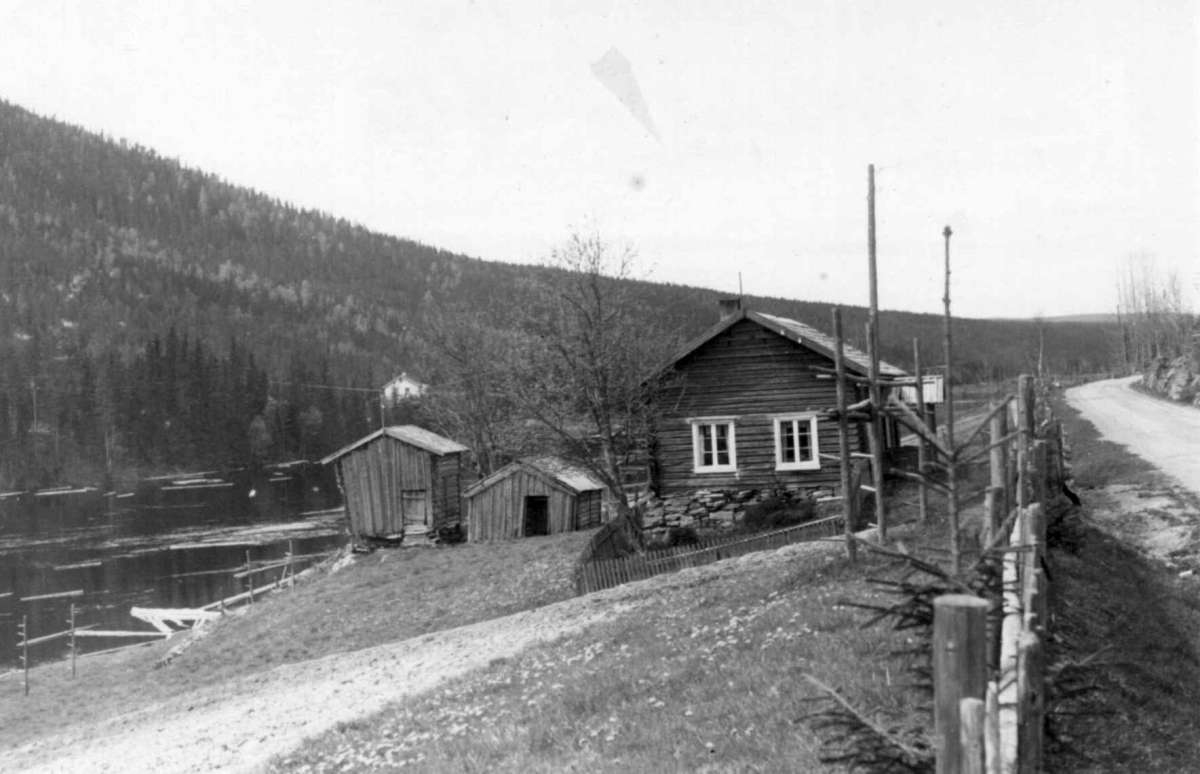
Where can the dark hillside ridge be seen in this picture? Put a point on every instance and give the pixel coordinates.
(107, 247)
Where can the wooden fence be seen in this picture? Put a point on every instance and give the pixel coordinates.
(988, 654)
(597, 574)
(162, 619)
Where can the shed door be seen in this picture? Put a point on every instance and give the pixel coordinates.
(415, 505)
(537, 515)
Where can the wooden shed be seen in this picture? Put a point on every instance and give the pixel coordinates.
(400, 481)
(535, 496)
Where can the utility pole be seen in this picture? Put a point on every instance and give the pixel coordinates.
(873, 351)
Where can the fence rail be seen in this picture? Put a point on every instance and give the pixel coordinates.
(597, 574)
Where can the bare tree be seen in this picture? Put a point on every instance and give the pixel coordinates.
(472, 351)
(1153, 312)
(583, 373)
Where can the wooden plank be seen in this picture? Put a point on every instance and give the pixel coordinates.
(58, 635)
(55, 595)
(106, 633)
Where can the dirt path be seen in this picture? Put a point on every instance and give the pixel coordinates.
(239, 726)
(1165, 435)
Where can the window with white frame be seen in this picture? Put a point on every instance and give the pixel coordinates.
(714, 444)
(796, 446)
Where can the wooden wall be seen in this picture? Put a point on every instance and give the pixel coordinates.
(388, 483)
(447, 491)
(753, 374)
(497, 512)
(589, 511)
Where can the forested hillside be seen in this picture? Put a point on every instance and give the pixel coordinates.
(157, 317)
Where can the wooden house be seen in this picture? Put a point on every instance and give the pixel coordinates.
(739, 408)
(400, 389)
(537, 496)
(400, 481)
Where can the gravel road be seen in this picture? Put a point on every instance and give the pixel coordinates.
(1164, 434)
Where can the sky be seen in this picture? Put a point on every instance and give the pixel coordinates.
(1057, 139)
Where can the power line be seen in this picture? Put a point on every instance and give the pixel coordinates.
(315, 386)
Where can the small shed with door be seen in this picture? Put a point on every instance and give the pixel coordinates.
(400, 481)
(533, 496)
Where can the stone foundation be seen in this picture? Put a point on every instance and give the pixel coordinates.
(717, 508)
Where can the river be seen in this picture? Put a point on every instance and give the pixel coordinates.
(175, 542)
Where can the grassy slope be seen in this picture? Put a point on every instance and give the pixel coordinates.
(1136, 622)
(708, 676)
(382, 597)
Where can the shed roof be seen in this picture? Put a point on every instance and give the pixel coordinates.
(794, 330)
(409, 434)
(554, 470)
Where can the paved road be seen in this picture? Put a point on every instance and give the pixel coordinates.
(1164, 434)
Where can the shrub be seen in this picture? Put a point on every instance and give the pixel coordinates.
(777, 511)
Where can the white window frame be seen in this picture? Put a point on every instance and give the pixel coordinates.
(698, 423)
(813, 422)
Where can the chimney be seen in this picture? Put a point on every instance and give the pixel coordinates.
(729, 307)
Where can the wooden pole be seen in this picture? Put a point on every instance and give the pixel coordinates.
(1025, 426)
(971, 720)
(839, 362)
(25, 650)
(992, 730)
(1060, 465)
(72, 622)
(998, 459)
(952, 462)
(1040, 473)
(875, 437)
(1031, 702)
(249, 577)
(959, 670)
(922, 447)
(876, 425)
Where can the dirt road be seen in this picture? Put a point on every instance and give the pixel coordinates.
(1164, 434)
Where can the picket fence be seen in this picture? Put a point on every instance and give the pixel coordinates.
(597, 574)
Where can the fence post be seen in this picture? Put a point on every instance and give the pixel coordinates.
(844, 462)
(991, 725)
(998, 458)
(1025, 426)
(1060, 463)
(971, 718)
(959, 670)
(1040, 473)
(922, 447)
(1031, 703)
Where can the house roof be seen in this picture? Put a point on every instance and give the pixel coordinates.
(794, 330)
(554, 470)
(409, 434)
